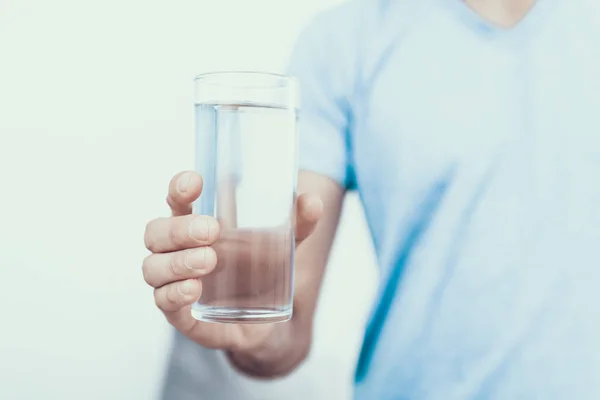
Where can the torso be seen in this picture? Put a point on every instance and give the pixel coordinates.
(476, 154)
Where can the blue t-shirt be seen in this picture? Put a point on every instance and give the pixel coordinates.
(476, 153)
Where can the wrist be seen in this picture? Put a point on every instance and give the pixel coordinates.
(286, 348)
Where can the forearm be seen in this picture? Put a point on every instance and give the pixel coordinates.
(289, 343)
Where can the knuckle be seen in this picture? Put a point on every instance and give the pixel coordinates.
(165, 299)
(157, 298)
(172, 296)
(170, 201)
(174, 232)
(147, 238)
(175, 264)
(150, 237)
(146, 269)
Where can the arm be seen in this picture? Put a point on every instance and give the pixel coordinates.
(289, 344)
(268, 350)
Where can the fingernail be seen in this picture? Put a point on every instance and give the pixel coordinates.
(196, 259)
(184, 288)
(183, 182)
(200, 228)
(188, 261)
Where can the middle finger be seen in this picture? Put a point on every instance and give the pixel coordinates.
(160, 269)
(179, 233)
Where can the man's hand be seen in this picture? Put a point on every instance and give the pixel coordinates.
(184, 253)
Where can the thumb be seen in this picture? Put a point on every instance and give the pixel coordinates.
(184, 188)
(309, 209)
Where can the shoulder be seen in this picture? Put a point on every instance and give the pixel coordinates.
(356, 31)
(330, 44)
(349, 14)
(345, 24)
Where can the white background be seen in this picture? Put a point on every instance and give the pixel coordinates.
(95, 117)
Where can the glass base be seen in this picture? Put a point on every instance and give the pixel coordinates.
(237, 315)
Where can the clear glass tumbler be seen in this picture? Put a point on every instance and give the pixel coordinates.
(246, 152)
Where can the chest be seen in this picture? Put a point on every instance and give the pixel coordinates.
(457, 99)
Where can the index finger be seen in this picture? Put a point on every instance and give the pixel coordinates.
(184, 188)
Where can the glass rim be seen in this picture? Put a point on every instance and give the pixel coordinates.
(278, 80)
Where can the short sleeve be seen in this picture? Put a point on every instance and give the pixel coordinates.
(323, 63)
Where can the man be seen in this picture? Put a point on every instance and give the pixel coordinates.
(471, 131)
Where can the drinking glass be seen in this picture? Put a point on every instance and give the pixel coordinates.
(246, 152)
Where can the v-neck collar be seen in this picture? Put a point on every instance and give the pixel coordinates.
(477, 22)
